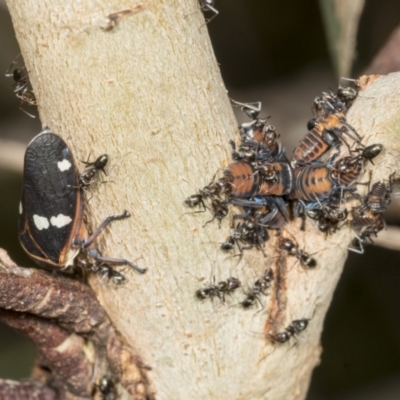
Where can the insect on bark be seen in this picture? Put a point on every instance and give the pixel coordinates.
(51, 227)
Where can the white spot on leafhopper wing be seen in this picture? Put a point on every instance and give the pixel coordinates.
(40, 222)
(60, 221)
(64, 165)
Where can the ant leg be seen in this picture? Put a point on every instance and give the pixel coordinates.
(87, 242)
(360, 243)
(212, 9)
(334, 156)
(26, 112)
(211, 220)
(346, 129)
(94, 253)
(252, 110)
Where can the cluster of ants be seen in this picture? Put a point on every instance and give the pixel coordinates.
(260, 286)
(270, 190)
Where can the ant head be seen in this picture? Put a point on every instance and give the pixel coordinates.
(248, 301)
(286, 244)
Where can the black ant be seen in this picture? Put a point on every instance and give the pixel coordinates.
(216, 188)
(112, 275)
(250, 232)
(220, 210)
(253, 231)
(245, 152)
(218, 290)
(260, 286)
(305, 259)
(327, 217)
(347, 94)
(221, 186)
(292, 330)
(347, 169)
(195, 200)
(21, 87)
(231, 241)
(105, 271)
(93, 169)
(107, 388)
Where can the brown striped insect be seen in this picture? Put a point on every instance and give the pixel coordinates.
(326, 132)
(263, 137)
(369, 224)
(276, 179)
(244, 180)
(368, 220)
(313, 183)
(378, 198)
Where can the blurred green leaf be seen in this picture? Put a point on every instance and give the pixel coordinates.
(341, 19)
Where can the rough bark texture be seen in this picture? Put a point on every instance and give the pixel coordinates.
(76, 343)
(149, 93)
(34, 390)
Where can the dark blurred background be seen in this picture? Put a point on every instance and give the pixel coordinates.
(275, 52)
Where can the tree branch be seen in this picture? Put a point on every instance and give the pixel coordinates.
(149, 93)
(75, 339)
(28, 389)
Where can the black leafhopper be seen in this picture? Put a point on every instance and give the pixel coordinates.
(51, 227)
